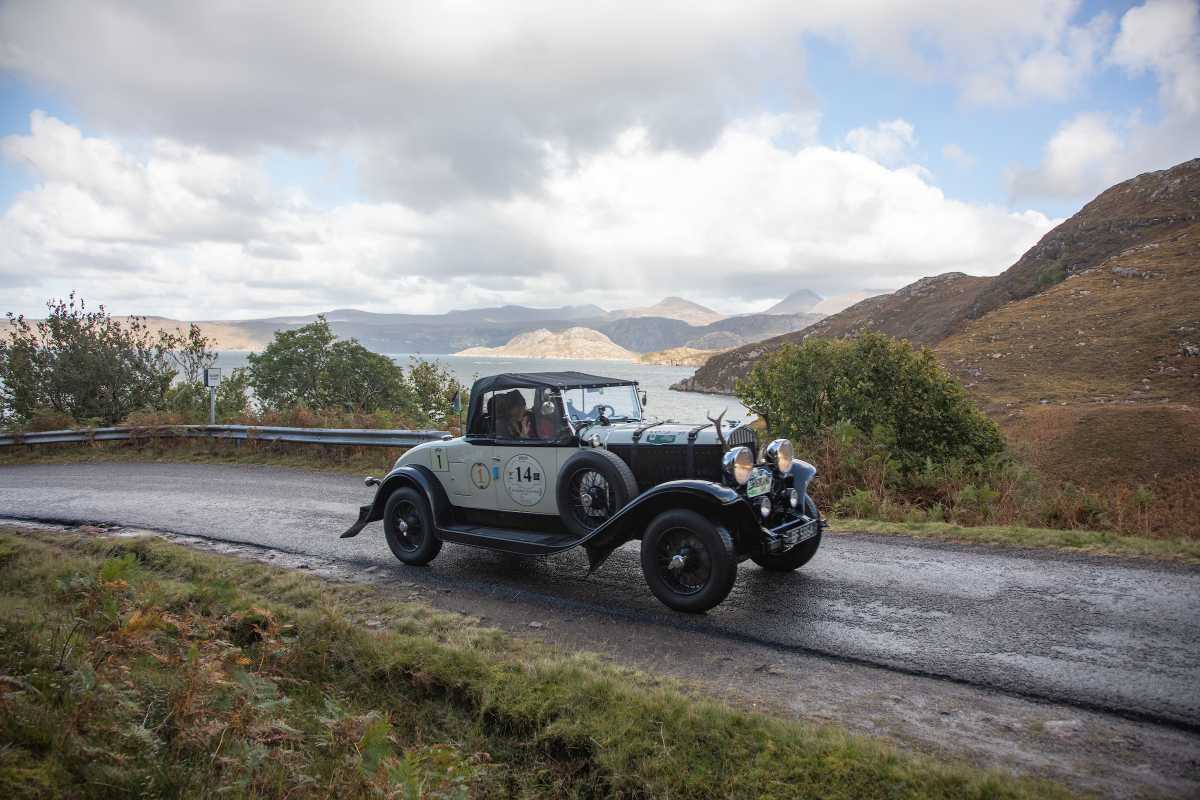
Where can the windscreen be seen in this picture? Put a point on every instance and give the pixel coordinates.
(618, 403)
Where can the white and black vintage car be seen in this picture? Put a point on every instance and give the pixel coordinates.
(555, 460)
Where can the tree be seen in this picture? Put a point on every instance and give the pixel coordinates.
(434, 388)
(87, 365)
(309, 367)
(899, 396)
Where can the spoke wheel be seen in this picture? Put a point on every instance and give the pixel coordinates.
(591, 497)
(408, 527)
(684, 560)
(410, 533)
(689, 563)
(594, 484)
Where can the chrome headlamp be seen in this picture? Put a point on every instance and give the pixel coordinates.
(779, 453)
(737, 464)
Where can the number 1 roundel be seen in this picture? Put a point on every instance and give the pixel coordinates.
(524, 480)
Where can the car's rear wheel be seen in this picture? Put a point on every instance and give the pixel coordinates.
(593, 485)
(408, 527)
(796, 556)
(689, 563)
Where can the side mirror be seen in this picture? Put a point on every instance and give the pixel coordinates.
(642, 393)
(548, 408)
(456, 403)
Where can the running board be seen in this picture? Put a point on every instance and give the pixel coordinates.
(508, 540)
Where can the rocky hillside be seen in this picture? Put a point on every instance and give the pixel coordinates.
(1100, 374)
(583, 343)
(678, 357)
(1139, 210)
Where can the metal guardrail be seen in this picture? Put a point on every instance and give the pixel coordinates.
(334, 436)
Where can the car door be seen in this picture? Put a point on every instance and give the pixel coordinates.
(469, 466)
(527, 461)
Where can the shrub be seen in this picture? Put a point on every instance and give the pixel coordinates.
(310, 368)
(85, 364)
(903, 398)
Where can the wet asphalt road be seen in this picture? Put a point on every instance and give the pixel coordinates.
(1100, 633)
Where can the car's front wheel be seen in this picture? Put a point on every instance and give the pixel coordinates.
(689, 563)
(408, 527)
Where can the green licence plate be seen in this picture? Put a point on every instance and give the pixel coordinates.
(759, 483)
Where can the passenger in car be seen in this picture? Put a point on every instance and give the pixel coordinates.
(513, 421)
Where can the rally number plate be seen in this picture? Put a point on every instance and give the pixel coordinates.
(759, 483)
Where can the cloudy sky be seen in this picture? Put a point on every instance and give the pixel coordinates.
(229, 159)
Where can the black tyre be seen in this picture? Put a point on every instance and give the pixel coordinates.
(408, 527)
(592, 486)
(689, 563)
(793, 557)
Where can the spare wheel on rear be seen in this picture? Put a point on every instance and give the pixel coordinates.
(592, 486)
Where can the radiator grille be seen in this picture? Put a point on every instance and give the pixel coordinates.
(744, 435)
(659, 463)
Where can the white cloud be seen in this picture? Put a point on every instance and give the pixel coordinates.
(1059, 68)
(1080, 156)
(1163, 36)
(1094, 150)
(439, 100)
(888, 142)
(175, 230)
(960, 157)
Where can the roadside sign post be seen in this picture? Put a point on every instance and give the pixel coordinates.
(212, 377)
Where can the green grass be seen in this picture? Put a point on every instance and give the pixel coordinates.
(137, 667)
(1082, 541)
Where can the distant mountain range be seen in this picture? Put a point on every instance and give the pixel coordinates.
(672, 322)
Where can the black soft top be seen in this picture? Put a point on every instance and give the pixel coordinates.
(546, 380)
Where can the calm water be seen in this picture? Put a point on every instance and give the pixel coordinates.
(662, 402)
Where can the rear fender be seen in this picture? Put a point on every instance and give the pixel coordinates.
(718, 503)
(413, 476)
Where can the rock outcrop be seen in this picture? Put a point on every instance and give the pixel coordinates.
(575, 343)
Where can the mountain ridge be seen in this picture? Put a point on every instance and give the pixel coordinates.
(798, 302)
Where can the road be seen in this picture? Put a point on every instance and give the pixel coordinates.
(1095, 633)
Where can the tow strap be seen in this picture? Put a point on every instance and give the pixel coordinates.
(637, 437)
(691, 451)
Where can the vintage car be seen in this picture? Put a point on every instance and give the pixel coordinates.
(555, 460)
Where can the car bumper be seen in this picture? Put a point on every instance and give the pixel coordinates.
(791, 533)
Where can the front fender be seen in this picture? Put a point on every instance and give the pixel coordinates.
(414, 476)
(714, 501)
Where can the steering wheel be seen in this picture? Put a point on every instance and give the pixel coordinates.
(598, 411)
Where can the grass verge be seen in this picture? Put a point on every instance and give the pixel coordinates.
(138, 667)
(1079, 541)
